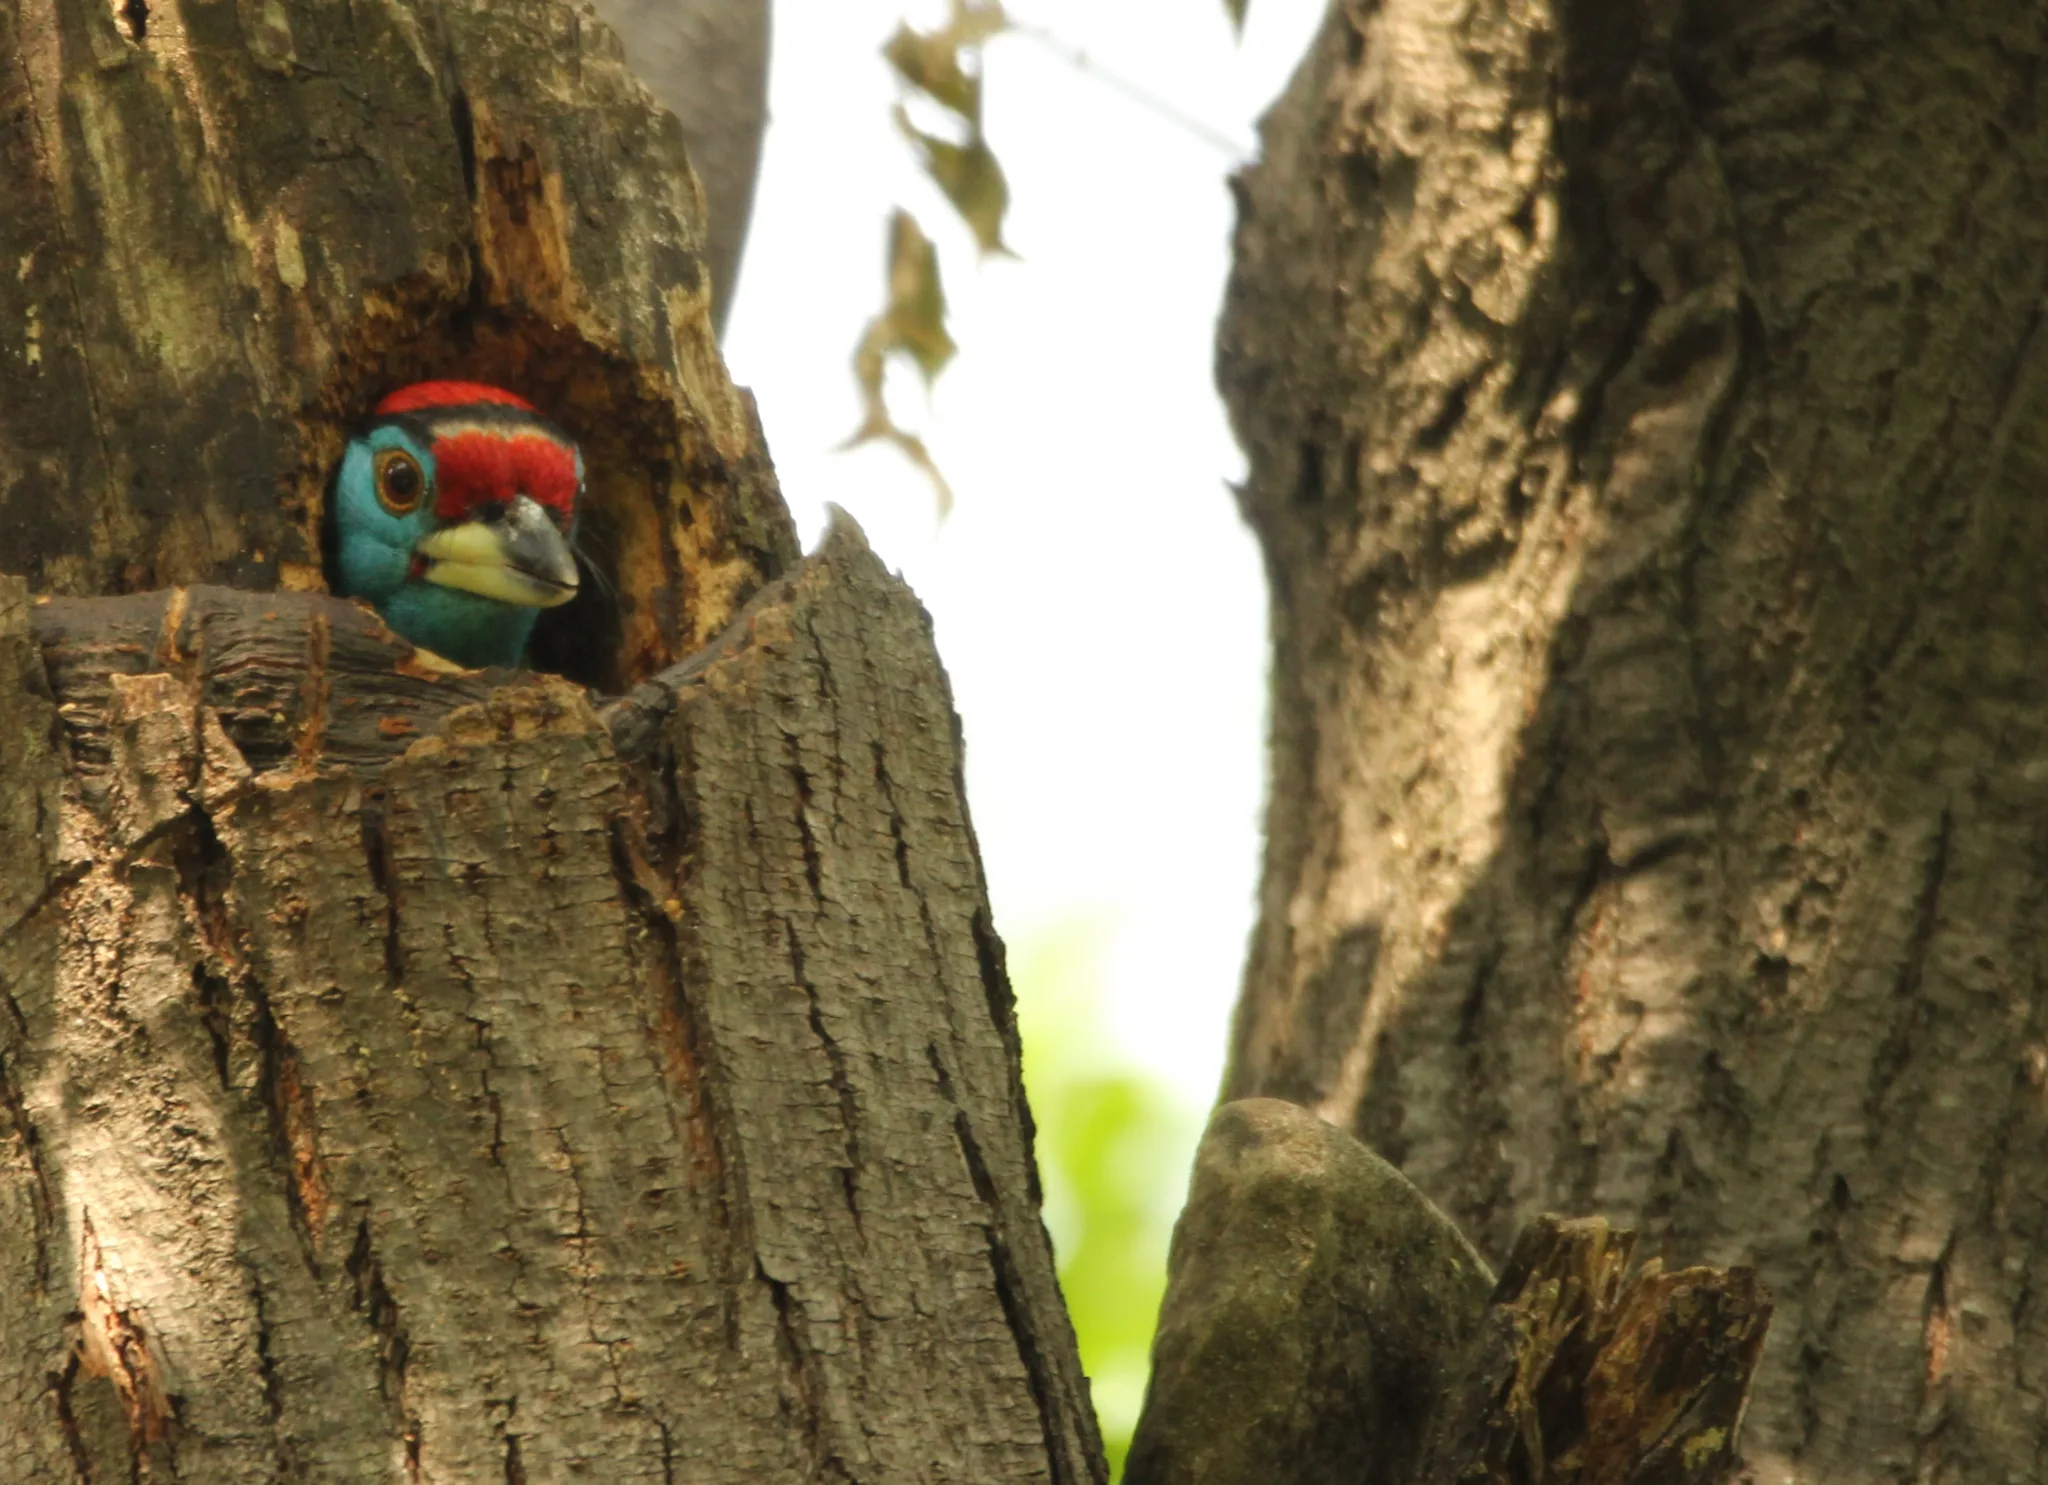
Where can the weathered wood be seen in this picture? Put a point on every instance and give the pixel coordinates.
(1647, 414)
(32, 858)
(291, 678)
(230, 227)
(1585, 1371)
(706, 61)
(543, 1091)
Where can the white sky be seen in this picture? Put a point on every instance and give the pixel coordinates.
(1098, 604)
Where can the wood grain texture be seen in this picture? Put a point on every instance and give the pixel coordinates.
(1589, 1370)
(1645, 407)
(33, 1316)
(543, 1091)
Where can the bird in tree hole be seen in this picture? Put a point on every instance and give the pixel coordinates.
(452, 512)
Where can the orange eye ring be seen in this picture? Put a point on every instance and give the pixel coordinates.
(401, 483)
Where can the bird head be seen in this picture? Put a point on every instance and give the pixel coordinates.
(452, 515)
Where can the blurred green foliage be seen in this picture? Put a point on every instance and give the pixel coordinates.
(1114, 1150)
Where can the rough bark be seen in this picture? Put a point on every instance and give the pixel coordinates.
(1647, 414)
(542, 1090)
(707, 63)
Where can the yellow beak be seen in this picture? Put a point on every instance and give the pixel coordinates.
(517, 557)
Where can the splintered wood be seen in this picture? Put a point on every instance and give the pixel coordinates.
(1588, 1373)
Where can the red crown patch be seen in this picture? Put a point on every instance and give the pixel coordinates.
(476, 467)
(424, 396)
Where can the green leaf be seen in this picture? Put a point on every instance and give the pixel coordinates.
(913, 324)
(970, 176)
(1237, 9)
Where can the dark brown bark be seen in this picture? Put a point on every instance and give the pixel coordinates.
(1647, 415)
(416, 1075)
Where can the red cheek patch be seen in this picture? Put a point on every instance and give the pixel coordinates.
(475, 468)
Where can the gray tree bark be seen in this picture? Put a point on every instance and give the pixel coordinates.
(706, 62)
(411, 1075)
(1647, 412)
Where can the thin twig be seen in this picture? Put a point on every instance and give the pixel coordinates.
(1081, 62)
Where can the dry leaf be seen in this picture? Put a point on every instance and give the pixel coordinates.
(970, 176)
(913, 324)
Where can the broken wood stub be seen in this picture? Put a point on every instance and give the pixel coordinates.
(546, 1084)
(1588, 1372)
(1324, 1322)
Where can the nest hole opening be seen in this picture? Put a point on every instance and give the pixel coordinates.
(625, 622)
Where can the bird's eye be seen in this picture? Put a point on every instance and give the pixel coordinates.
(400, 482)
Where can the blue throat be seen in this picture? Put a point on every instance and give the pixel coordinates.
(459, 626)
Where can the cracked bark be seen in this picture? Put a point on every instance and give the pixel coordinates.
(1645, 409)
(418, 1075)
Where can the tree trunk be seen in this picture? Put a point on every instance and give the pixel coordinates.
(1647, 419)
(415, 1075)
(706, 62)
